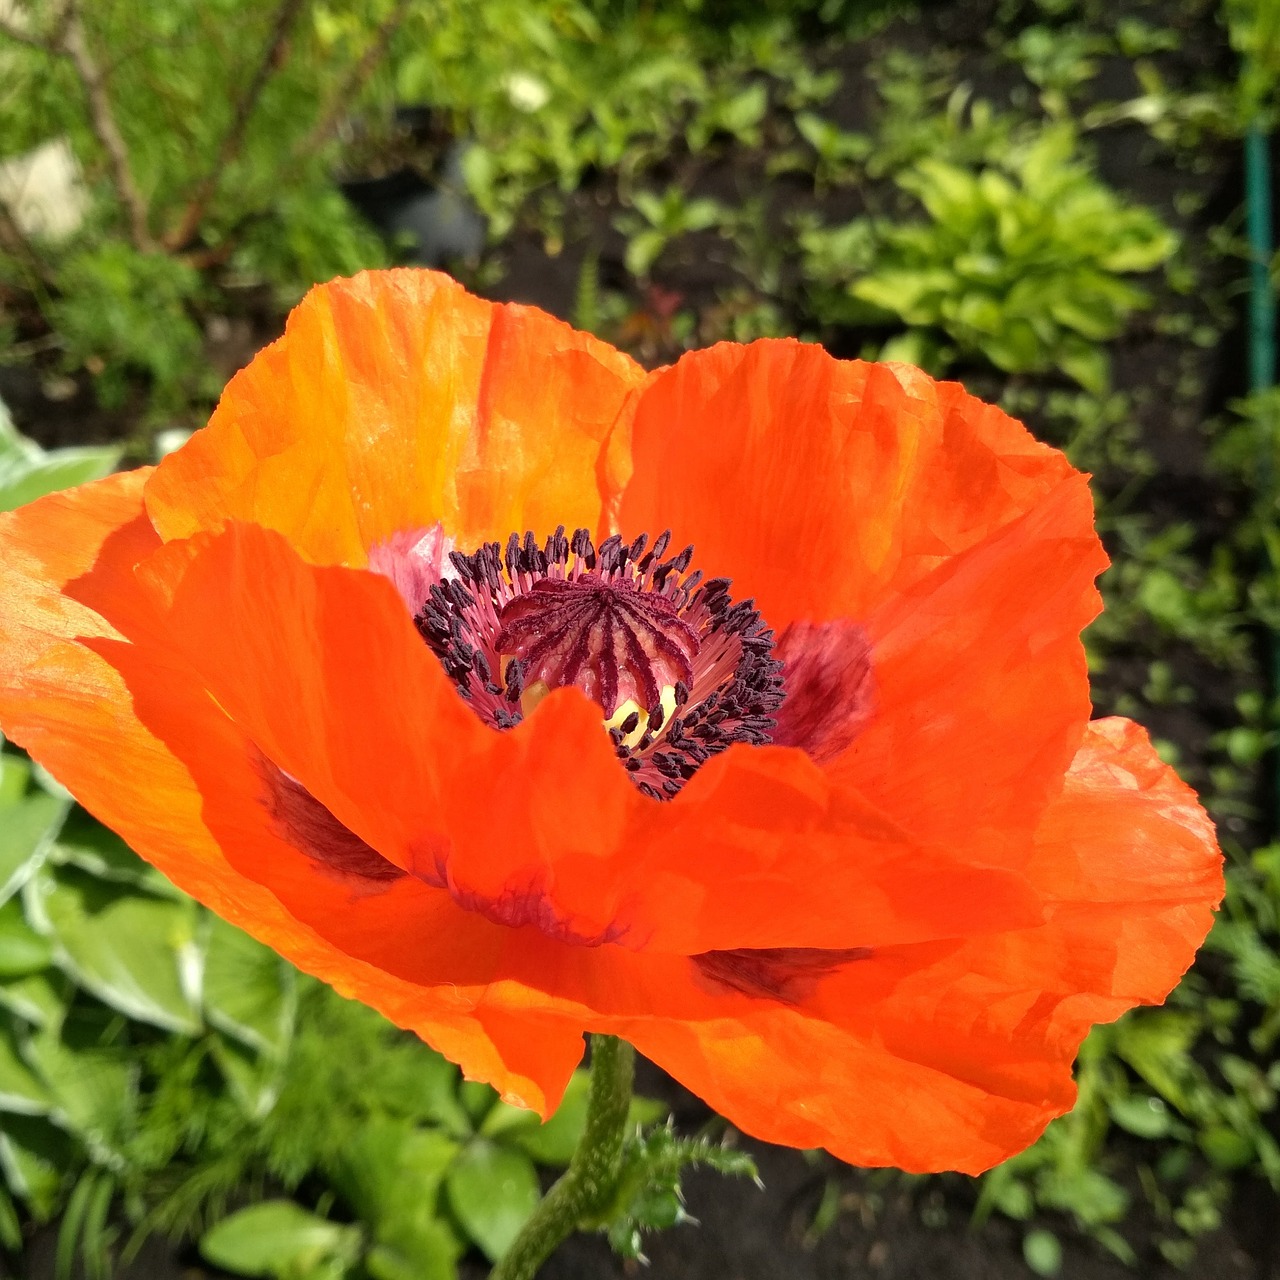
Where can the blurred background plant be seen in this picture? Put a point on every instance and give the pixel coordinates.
(1039, 197)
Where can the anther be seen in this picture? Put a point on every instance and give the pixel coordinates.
(680, 670)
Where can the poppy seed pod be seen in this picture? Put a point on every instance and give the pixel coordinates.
(738, 709)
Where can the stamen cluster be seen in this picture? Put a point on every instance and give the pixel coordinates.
(627, 626)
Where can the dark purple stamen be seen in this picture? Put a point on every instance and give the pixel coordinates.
(622, 624)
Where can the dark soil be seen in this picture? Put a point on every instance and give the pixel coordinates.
(888, 1227)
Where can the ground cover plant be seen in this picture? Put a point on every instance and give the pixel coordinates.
(668, 176)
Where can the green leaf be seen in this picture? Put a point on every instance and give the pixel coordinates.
(1145, 1116)
(277, 1239)
(15, 778)
(416, 1252)
(22, 949)
(93, 1087)
(1226, 1149)
(26, 830)
(28, 472)
(34, 1155)
(393, 1169)
(391, 1176)
(248, 991)
(492, 1190)
(135, 952)
(40, 998)
(1042, 1252)
(21, 1090)
(1157, 1046)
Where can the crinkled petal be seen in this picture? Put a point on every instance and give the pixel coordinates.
(980, 685)
(962, 553)
(394, 400)
(122, 723)
(822, 487)
(323, 670)
(941, 1056)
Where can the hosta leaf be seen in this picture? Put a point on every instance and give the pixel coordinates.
(248, 991)
(27, 827)
(129, 949)
(21, 1090)
(28, 472)
(492, 1190)
(22, 949)
(39, 998)
(277, 1238)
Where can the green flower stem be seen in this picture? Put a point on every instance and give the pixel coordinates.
(586, 1187)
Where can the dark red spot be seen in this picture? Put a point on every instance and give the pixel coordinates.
(302, 821)
(611, 639)
(519, 906)
(785, 974)
(826, 673)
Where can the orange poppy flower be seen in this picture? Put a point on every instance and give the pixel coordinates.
(847, 856)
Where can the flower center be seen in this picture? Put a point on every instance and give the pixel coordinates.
(679, 670)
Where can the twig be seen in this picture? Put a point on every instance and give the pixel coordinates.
(244, 108)
(12, 238)
(340, 102)
(14, 32)
(75, 46)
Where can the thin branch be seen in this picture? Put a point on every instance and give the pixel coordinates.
(75, 46)
(12, 239)
(244, 108)
(12, 31)
(340, 102)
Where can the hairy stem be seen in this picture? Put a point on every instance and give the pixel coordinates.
(591, 1179)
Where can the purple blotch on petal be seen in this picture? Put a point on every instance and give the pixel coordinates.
(830, 692)
(786, 974)
(301, 820)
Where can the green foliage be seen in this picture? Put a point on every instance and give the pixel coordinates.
(1021, 262)
(158, 1069)
(27, 472)
(277, 1239)
(1254, 30)
(126, 313)
(648, 1196)
(662, 219)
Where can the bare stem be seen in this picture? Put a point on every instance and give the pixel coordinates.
(341, 100)
(108, 133)
(272, 58)
(11, 31)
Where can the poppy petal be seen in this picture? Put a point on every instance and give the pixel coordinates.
(763, 849)
(822, 486)
(981, 685)
(956, 1056)
(100, 712)
(323, 670)
(395, 400)
(871, 498)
